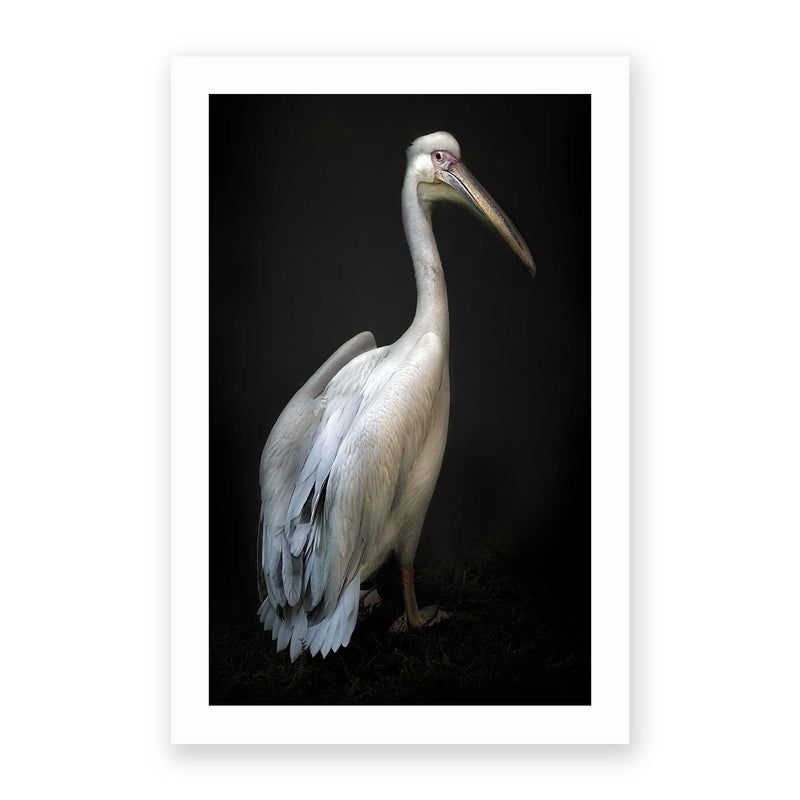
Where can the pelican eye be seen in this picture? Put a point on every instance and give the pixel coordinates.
(438, 156)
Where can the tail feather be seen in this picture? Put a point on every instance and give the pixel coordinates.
(284, 635)
(329, 634)
(314, 640)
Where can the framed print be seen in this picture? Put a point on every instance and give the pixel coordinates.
(432, 547)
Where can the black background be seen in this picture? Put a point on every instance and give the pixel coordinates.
(307, 249)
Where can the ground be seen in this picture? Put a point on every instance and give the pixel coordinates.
(513, 638)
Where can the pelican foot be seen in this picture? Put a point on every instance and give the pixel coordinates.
(429, 616)
(370, 598)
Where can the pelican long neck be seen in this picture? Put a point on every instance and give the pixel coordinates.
(431, 314)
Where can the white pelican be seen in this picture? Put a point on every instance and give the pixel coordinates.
(349, 469)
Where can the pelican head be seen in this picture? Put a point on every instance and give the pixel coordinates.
(435, 161)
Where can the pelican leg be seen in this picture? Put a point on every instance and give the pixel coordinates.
(412, 615)
(415, 617)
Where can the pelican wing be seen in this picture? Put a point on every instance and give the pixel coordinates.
(329, 478)
(374, 461)
(289, 443)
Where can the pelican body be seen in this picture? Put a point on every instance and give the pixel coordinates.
(350, 466)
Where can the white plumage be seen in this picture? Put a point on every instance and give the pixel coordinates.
(350, 466)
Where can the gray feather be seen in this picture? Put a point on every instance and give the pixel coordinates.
(284, 635)
(292, 573)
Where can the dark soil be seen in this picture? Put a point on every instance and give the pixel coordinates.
(515, 637)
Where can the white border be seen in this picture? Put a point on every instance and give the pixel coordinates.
(192, 719)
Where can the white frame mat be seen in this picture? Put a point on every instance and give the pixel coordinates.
(193, 720)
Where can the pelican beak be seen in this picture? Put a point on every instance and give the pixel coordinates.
(457, 176)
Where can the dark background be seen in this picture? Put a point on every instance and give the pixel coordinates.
(307, 249)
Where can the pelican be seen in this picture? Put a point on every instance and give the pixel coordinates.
(350, 466)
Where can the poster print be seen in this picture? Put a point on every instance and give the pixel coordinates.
(307, 248)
